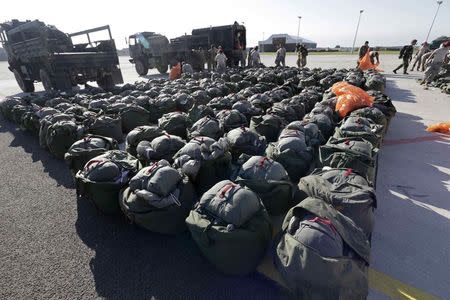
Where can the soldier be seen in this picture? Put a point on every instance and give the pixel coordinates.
(221, 61)
(212, 52)
(362, 51)
(281, 56)
(302, 53)
(256, 59)
(249, 57)
(418, 57)
(186, 68)
(374, 55)
(406, 54)
(436, 60)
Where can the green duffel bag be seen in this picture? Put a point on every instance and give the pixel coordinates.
(362, 128)
(205, 162)
(206, 126)
(61, 135)
(353, 152)
(162, 147)
(7, 105)
(175, 123)
(268, 126)
(270, 181)
(19, 111)
(86, 149)
(322, 254)
(158, 199)
(46, 122)
(31, 121)
(231, 227)
(383, 103)
(102, 178)
(133, 116)
(108, 126)
(230, 119)
(292, 152)
(243, 141)
(139, 134)
(372, 113)
(199, 111)
(346, 191)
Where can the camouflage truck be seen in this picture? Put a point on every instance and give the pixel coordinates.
(39, 52)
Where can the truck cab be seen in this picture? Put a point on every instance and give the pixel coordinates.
(147, 51)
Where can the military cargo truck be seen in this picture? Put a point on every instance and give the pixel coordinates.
(152, 50)
(39, 52)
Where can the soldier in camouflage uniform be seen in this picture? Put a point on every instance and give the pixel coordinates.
(406, 54)
(212, 52)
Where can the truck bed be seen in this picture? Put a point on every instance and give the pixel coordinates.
(84, 59)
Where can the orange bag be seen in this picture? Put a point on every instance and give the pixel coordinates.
(440, 127)
(175, 72)
(350, 98)
(366, 64)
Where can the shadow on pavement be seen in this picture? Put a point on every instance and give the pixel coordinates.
(400, 94)
(54, 167)
(132, 263)
(413, 216)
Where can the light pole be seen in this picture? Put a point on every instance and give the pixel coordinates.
(432, 23)
(357, 27)
(298, 29)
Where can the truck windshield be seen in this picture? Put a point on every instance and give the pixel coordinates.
(143, 41)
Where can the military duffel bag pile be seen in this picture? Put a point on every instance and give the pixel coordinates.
(102, 178)
(231, 227)
(261, 142)
(158, 198)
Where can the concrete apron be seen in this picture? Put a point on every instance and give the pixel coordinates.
(410, 242)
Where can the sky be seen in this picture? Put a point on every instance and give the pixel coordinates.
(327, 22)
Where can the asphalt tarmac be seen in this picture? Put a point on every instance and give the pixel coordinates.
(53, 246)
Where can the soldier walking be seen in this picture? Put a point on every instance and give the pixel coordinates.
(406, 54)
(418, 57)
(280, 56)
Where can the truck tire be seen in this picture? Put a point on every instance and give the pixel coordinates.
(162, 68)
(141, 67)
(106, 82)
(26, 86)
(46, 80)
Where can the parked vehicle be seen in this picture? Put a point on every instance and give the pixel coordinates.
(39, 52)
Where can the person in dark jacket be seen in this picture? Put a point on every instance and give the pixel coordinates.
(363, 50)
(406, 54)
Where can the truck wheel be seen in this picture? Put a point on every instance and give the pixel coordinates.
(141, 67)
(106, 82)
(46, 80)
(162, 68)
(26, 86)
